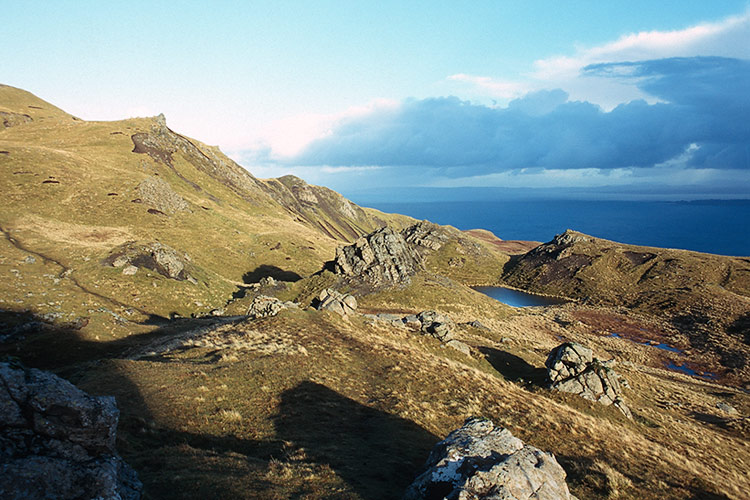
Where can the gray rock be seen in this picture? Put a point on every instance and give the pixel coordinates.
(726, 408)
(427, 235)
(129, 270)
(380, 258)
(157, 193)
(340, 303)
(481, 462)
(155, 256)
(459, 346)
(264, 306)
(56, 441)
(572, 367)
(437, 325)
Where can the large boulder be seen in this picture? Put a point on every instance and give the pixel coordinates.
(264, 306)
(56, 441)
(380, 258)
(340, 303)
(480, 461)
(155, 256)
(572, 367)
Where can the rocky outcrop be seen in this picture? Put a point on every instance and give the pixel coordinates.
(56, 441)
(157, 193)
(340, 303)
(264, 306)
(155, 256)
(572, 367)
(480, 461)
(380, 258)
(430, 323)
(428, 235)
(8, 119)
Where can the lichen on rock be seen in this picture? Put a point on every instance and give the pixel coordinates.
(572, 367)
(480, 461)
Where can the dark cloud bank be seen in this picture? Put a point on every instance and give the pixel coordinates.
(705, 101)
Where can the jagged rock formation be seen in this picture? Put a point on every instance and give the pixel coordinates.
(264, 306)
(340, 303)
(428, 235)
(380, 258)
(157, 193)
(155, 256)
(480, 461)
(56, 441)
(572, 367)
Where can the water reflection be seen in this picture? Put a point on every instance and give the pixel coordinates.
(517, 298)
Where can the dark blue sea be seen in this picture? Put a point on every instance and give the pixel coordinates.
(712, 226)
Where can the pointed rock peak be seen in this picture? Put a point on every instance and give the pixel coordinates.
(569, 237)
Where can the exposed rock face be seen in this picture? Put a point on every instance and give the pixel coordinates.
(56, 441)
(480, 461)
(264, 306)
(382, 257)
(156, 256)
(340, 303)
(157, 193)
(8, 119)
(428, 235)
(572, 367)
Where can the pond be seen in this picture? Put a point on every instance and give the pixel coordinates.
(517, 298)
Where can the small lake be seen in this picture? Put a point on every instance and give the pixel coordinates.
(517, 298)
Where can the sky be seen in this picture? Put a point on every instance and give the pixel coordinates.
(619, 97)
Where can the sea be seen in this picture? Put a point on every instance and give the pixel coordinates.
(711, 226)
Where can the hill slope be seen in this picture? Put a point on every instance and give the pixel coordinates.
(706, 298)
(113, 233)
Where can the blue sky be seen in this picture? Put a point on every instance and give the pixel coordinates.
(630, 95)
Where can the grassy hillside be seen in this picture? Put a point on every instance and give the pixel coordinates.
(115, 233)
(705, 298)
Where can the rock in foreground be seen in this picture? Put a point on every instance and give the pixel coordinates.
(480, 461)
(56, 441)
(572, 367)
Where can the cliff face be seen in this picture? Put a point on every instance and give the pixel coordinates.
(705, 297)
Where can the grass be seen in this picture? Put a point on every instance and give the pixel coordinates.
(308, 404)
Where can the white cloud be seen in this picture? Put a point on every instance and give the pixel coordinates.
(288, 136)
(729, 37)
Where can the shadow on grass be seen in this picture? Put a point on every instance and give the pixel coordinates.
(513, 367)
(375, 453)
(266, 271)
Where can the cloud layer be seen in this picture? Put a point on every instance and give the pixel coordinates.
(699, 119)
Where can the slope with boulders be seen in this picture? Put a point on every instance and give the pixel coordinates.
(705, 298)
